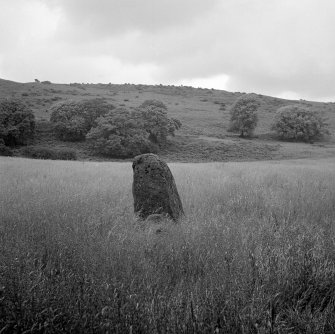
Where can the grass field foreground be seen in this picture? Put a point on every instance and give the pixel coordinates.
(255, 253)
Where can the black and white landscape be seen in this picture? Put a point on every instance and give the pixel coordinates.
(235, 235)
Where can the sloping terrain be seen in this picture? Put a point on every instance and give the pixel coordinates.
(204, 114)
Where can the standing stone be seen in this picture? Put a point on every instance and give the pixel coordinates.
(154, 188)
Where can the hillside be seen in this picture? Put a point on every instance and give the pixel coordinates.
(204, 114)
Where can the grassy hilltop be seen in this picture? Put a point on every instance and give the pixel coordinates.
(255, 253)
(204, 114)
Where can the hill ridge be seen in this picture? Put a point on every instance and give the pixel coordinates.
(203, 112)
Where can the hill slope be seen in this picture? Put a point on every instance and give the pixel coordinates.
(204, 114)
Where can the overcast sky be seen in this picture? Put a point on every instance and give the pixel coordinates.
(283, 48)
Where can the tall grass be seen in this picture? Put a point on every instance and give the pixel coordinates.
(255, 253)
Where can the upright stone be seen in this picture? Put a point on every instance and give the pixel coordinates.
(154, 188)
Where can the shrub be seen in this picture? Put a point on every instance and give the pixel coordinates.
(43, 152)
(243, 115)
(120, 134)
(156, 122)
(5, 150)
(223, 107)
(299, 123)
(153, 103)
(72, 119)
(17, 122)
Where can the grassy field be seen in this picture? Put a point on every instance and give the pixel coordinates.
(255, 253)
(204, 114)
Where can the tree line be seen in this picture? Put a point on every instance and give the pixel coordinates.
(292, 122)
(110, 131)
(121, 132)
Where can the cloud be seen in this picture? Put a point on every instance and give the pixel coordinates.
(87, 69)
(268, 47)
(26, 32)
(110, 17)
(32, 49)
(216, 82)
(23, 22)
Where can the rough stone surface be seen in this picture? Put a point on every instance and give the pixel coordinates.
(154, 188)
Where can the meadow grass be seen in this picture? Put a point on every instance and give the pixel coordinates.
(254, 254)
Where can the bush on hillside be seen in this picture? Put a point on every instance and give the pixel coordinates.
(120, 134)
(153, 103)
(17, 122)
(5, 151)
(43, 152)
(299, 123)
(72, 120)
(243, 115)
(156, 122)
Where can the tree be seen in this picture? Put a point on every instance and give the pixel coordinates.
(5, 150)
(156, 122)
(299, 123)
(243, 115)
(17, 122)
(120, 134)
(123, 133)
(73, 119)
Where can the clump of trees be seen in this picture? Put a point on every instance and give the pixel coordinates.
(243, 115)
(72, 120)
(17, 122)
(292, 122)
(114, 132)
(124, 133)
(120, 134)
(299, 123)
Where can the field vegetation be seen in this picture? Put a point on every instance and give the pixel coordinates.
(254, 254)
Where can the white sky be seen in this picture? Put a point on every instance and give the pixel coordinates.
(282, 48)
